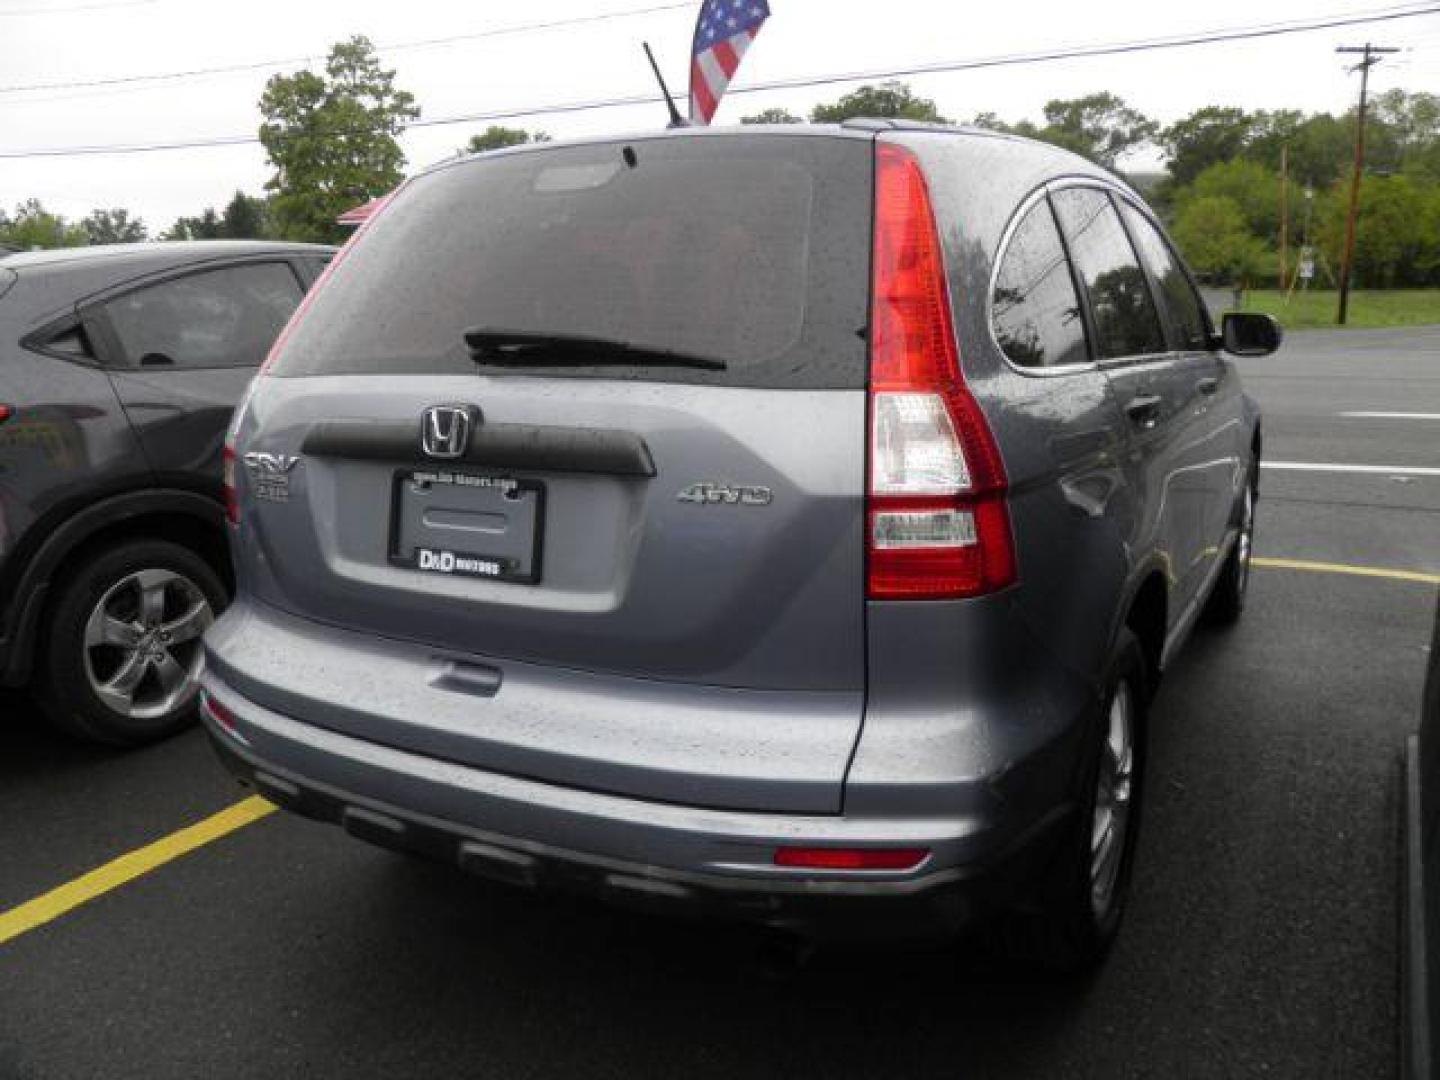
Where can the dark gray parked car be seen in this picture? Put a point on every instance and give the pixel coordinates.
(793, 521)
(119, 369)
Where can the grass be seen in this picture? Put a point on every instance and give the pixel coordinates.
(1368, 309)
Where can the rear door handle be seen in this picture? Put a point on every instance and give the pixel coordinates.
(1208, 385)
(1144, 409)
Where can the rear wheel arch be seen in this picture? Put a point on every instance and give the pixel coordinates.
(1147, 617)
(187, 518)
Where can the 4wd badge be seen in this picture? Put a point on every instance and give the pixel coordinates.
(727, 495)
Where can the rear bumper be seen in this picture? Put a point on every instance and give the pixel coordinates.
(631, 852)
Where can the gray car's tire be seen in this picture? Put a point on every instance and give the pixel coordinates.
(1227, 601)
(1073, 921)
(119, 656)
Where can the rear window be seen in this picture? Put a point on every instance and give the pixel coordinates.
(753, 250)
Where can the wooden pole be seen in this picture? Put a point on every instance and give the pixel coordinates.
(1284, 215)
(1372, 56)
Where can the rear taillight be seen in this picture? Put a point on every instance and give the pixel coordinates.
(324, 277)
(937, 521)
(232, 499)
(5, 412)
(829, 858)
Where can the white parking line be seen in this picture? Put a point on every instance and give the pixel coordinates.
(1390, 415)
(1326, 466)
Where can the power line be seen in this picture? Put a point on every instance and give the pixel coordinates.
(799, 82)
(400, 46)
(21, 13)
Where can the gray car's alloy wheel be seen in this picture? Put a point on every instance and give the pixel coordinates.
(122, 656)
(1110, 818)
(1227, 602)
(1069, 926)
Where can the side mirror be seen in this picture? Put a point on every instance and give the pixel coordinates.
(1250, 333)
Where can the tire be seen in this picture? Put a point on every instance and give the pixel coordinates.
(1081, 901)
(121, 653)
(1227, 600)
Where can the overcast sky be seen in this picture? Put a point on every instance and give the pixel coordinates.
(50, 41)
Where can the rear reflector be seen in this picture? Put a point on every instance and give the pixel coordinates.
(851, 858)
(939, 524)
(219, 713)
(232, 498)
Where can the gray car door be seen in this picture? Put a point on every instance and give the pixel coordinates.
(1219, 402)
(182, 350)
(1153, 386)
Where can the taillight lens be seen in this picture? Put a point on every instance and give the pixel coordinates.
(938, 525)
(232, 498)
(829, 858)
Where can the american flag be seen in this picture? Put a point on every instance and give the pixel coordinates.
(723, 32)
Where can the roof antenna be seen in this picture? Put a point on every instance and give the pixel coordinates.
(676, 120)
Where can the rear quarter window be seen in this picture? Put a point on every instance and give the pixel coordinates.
(753, 250)
(1035, 309)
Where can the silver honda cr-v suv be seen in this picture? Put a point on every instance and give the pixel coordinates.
(792, 521)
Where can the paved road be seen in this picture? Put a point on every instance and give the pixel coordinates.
(1261, 940)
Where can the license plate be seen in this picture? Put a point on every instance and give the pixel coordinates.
(467, 525)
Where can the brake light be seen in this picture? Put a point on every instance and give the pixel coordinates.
(232, 498)
(822, 858)
(938, 525)
(5, 413)
(325, 275)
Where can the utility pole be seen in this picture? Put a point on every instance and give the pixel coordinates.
(1284, 216)
(1372, 55)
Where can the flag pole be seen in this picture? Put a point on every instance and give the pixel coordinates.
(676, 120)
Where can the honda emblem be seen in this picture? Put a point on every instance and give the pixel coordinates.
(445, 431)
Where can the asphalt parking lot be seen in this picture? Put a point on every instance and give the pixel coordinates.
(1261, 939)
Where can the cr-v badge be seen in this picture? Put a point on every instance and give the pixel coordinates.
(270, 474)
(726, 495)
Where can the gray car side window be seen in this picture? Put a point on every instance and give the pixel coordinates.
(1183, 309)
(1123, 311)
(226, 317)
(1035, 309)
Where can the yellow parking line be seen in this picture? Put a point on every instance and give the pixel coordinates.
(38, 912)
(1342, 568)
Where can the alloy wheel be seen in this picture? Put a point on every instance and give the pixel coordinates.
(142, 642)
(1110, 823)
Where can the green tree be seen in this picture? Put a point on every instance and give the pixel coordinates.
(1251, 186)
(1100, 127)
(1412, 122)
(245, 218)
(113, 227)
(1213, 236)
(773, 116)
(204, 226)
(889, 100)
(1206, 137)
(496, 137)
(1319, 146)
(332, 139)
(35, 227)
(1396, 239)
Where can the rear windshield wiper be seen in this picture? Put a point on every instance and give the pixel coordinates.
(522, 348)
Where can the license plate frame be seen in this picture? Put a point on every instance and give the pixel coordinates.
(418, 526)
